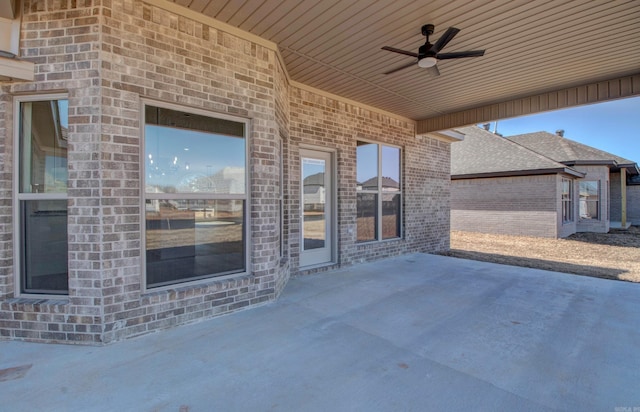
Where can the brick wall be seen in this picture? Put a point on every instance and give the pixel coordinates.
(633, 204)
(111, 56)
(63, 40)
(633, 201)
(521, 205)
(615, 197)
(322, 122)
(281, 89)
(151, 53)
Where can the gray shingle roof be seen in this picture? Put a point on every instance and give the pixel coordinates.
(565, 150)
(484, 152)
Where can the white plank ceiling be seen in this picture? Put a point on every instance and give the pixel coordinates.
(531, 46)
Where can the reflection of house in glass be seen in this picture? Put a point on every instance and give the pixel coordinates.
(227, 180)
(314, 192)
(388, 184)
(368, 208)
(390, 202)
(589, 199)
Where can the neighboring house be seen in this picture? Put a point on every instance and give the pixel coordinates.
(538, 184)
(614, 178)
(152, 175)
(314, 192)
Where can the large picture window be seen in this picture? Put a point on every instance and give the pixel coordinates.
(379, 194)
(567, 200)
(589, 200)
(41, 170)
(195, 196)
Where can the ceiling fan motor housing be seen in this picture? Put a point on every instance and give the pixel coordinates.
(428, 29)
(424, 51)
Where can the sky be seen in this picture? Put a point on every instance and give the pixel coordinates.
(613, 126)
(175, 156)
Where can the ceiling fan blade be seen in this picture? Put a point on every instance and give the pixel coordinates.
(434, 71)
(444, 39)
(397, 69)
(406, 53)
(457, 55)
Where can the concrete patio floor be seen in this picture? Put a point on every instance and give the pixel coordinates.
(418, 332)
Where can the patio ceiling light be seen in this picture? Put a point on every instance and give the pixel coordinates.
(426, 62)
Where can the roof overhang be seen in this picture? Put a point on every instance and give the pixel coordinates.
(612, 164)
(532, 172)
(450, 136)
(596, 92)
(632, 168)
(539, 55)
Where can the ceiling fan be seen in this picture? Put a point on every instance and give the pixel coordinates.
(429, 54)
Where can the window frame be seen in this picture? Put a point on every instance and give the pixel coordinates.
(18, 197)
(567, 204)
(144, 196)
(587, 201)
(281, 226)
(379, 192)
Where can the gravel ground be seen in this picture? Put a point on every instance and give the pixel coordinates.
(613, 255)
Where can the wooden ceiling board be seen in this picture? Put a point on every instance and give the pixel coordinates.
(345, 28)
(323, 25)
(274, 13)
(371, 36)
(531, 46)
(297, 19)
(199, 5)
(250, 19)
(498, 40)
(380, 65)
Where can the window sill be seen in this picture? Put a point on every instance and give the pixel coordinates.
(377, 242)
(206, 285)
(48, 304)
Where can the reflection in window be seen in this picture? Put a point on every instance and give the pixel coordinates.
(42, 196)
(195, 207)
(367, 206)
(44, 262)
(567, 200)
(367, 166)
(379, 199)
(185, 154)
(43, 147)
(589, 200)
(390, 215)
(192, 239)
(314, 222)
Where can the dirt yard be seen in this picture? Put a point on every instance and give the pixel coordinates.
(614, 255)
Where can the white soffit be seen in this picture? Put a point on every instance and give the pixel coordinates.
(532, 47)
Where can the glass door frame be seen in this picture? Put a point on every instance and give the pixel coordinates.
(326, 255)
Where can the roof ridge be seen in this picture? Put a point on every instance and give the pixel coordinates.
(569, 146)
(537, 153)
(484, 152)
